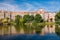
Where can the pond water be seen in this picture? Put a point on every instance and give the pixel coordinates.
(31, 37)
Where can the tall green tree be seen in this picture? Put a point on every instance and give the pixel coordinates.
(17, 23)
(57, 21)
(27, 21)
(37, 20)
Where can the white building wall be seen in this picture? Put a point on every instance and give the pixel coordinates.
(1, 14)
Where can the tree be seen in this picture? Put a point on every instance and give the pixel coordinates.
(17, 23)
(5, 25)
(31, 18)
(57, 21)
(57, 18)
(38, 25)
(26, 18)
(38, 18)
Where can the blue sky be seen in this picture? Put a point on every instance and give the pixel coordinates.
(30, 5)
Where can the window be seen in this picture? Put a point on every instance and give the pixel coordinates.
(51, 20)
(51, 26)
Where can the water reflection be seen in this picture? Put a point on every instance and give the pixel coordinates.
(10, 30)
(57, 30)
(4, 30)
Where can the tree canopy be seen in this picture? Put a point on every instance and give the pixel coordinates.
(28, 18)
(38, 18)
(57, 18)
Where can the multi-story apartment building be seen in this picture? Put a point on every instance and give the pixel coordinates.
(47, 16)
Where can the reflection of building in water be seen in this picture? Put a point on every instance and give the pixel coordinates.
(50, 17)
(47, 16)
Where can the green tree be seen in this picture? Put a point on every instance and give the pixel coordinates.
(31, 18)
(57, 18)
(26, 18)
(28, 21)
(57, 21)
(37, 23)
(38, 18)
(17, 23)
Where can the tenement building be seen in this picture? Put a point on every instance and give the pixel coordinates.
(47, 16)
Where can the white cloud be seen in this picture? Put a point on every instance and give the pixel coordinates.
(9, 7)
(30, 7)
(6, 5)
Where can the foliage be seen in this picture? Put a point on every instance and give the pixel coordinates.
(31, 18)
(38, 18)
(57, 21)
(34, 24)
(28, 27)
(57, 18)
(57, 30)
(5, 20)
(38, 26)
(49, 23)
(28, 18)
(17, 22)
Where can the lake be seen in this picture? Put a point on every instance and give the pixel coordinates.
(30, 37)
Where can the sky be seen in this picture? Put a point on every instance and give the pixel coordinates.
(30, 5)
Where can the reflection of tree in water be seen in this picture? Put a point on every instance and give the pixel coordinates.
(57, 30)
(4, 27)
(0, 30)
(5, 30)
(39, 28)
